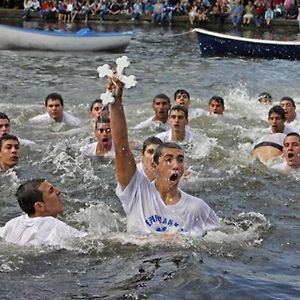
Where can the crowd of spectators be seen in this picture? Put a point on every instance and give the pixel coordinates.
(239, 11)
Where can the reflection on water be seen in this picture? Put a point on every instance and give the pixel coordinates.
(256, 247)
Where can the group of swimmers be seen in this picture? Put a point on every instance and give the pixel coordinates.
(149, 191)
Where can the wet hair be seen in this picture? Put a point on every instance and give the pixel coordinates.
(181, 91)
(54, 96)
(158, 150)
(263, 95)
(292, 134)
(4, 116)
(286, 98)
(218, 99)
(277, 109)
(6, 137)
(162, 96)
(152, 140)
(102, 120)
(28, 194)
(180, 108)
(94, 102)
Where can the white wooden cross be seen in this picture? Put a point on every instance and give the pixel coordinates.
(105, 70)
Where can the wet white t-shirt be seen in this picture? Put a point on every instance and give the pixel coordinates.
(91, 150)
(153, 125)
(147, 213)
(167, 136)
(26, 231)
(67, 119)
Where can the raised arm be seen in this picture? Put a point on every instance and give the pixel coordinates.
(125, 162)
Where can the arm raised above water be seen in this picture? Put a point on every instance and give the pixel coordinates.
(125, 162)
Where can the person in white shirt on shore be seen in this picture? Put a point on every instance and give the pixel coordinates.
(41, 203)
(54, 105)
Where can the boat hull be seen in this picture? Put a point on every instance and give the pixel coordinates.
(216, 44)
(14, 38)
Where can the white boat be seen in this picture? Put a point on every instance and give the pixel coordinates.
(83, 40)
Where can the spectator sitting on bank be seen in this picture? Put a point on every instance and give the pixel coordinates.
(86, 10)
(103, 8)
(290, 9)
(115, 8)
(259, 12)
(31, 5)
(298, 18)
(168, 11)
(48, 9)
(249, 13)
(5, 129)
(137, 10)
(236, 13)
(9, 151)
(149, 7)
(179, 9)
(158, 10)
(193, 14)
(95, 8)
(269, 15)
(54, 105)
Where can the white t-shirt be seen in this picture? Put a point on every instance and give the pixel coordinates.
(26, 231)
(296, 122)
(271, 139)
(147, 213)
(25, 142)
(91, 150)
(153, 125)
(167, 136)
(287, 129)
(67, 119)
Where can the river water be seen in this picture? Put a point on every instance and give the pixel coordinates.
(254, 255)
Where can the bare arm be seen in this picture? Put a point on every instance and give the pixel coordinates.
(125, 162)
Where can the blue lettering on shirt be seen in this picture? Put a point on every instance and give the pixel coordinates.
(161, 224)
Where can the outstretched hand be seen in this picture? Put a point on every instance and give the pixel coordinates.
(115, 85)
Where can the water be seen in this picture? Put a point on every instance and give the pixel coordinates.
(255, 255)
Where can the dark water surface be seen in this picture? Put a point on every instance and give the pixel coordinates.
(255, 255)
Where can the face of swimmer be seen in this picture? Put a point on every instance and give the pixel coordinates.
(291, 151)
(276, 122)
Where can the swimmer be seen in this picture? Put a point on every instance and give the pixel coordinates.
(265, 98)
(97, 109)
(9, 152)
(289, 107)
(216, 106)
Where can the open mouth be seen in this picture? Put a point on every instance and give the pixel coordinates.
(173, 177)
(105, 140)
(290, 155)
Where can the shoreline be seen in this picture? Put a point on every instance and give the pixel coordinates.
(280, 24)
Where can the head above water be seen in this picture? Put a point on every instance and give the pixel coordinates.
(216, 105)
(161, 147)
(4, 124)
(97, 109)
(182, 97)
(152, 140)
(277, 109)
(37, 197)
(54, 96)
(265, 98)
(179, 108)
(9, 151)
(291, 150)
